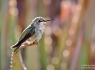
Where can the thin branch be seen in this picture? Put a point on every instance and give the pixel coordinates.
(16, 58)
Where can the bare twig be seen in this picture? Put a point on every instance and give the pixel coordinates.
(16, 58)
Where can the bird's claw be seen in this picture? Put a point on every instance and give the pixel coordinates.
(35, 42)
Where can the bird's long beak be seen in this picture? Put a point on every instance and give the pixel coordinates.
(49, 20)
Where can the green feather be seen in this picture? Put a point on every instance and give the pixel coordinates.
(30, 29)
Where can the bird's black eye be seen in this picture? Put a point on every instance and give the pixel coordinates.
(39, 21)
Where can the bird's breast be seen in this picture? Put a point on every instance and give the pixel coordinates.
(38, 34)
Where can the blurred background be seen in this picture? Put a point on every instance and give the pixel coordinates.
(68, 42)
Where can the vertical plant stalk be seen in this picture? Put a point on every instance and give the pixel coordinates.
(4, 33)
(80, 37)
(78, 47)
(91, 32)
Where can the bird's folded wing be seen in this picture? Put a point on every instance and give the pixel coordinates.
(28, 30)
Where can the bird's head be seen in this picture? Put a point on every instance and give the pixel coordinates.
(40, 22)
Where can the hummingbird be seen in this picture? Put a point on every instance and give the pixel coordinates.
(34, 31)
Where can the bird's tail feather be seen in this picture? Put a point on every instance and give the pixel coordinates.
(14, 47)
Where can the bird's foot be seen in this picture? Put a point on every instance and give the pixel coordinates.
(35, 42)
(26, 44)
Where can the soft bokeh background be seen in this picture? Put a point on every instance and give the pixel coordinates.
(68, 42)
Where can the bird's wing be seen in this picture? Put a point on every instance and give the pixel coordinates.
(28, 30)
